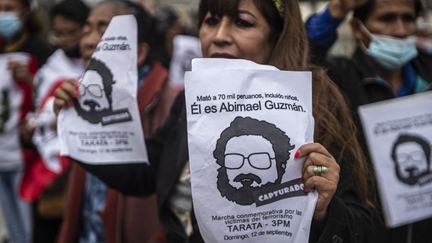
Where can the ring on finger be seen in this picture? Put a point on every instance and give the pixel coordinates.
(318, 170)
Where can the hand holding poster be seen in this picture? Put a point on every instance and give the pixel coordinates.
(245, 122)
(399, 135)
(105, 127)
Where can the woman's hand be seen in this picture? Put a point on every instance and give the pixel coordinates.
(64, 95)
(321, 173)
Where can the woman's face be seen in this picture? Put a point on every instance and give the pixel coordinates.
(245, 37)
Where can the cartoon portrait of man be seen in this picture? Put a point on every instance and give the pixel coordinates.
(95, 102)
(411, 155)
(95, 96)
(252, 155)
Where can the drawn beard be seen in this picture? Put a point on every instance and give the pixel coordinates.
(411, 179)
(243, 195)
(92, 115)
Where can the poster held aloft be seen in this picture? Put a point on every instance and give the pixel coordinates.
(399, 136)
(105, 126)
(245, 122)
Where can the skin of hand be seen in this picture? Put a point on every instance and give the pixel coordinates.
(20, 71)
(64, 95)
(340, 8)
(325, 183)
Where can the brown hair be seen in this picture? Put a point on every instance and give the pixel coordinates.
(334, 127)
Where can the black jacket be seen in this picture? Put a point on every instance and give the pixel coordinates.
(360, 86)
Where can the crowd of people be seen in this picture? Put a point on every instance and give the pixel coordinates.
(48, 198)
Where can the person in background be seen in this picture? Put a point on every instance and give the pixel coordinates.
(44, 181)
(94, 212)
(19, 36)
(265, 32)
(385, 65)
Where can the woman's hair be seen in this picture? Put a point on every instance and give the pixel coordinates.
(334, 127)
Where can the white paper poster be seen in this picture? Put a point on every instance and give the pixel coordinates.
(245, 122)
(11, 98)
(105, 126)
(399, 135)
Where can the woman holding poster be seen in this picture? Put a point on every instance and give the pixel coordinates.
(265, 32)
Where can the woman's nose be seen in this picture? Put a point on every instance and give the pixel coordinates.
(223, 32)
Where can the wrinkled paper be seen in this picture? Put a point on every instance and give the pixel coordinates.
(105, 126)
(245, 122)
(399, 137)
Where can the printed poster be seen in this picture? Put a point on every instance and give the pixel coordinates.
(399, 136)
(104, 126)
(245, 122)
(11, 100)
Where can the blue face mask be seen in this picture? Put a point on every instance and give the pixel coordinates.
(10, 24)
(390, 52)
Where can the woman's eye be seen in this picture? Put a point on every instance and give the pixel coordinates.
(243, 23)
(211, 20)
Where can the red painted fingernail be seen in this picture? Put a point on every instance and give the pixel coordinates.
(76, 83)
(77, 94)
(297, 154)
(306, 190)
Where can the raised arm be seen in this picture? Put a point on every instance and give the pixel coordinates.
(322, 27)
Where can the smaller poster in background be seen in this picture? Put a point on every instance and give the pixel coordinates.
(104, 127)
(185, 49)
(399, 136)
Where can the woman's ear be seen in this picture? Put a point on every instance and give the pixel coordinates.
(143, 50)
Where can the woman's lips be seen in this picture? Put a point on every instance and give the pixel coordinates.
(222, 55)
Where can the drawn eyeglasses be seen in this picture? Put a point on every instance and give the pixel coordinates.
(260, 161)
(415, 156)
(93, 89)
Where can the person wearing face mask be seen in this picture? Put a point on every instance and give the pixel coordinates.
(385, 65)
(19, 29)
(19, 32)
